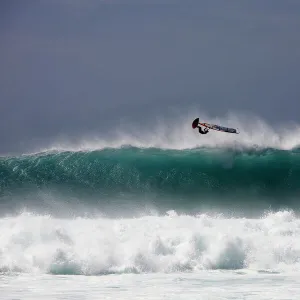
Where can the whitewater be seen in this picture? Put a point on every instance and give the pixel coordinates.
(172, 256)
(154, 214)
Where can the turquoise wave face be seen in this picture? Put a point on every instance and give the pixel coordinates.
(169, 176)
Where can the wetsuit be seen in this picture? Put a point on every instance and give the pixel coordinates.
(205, 131)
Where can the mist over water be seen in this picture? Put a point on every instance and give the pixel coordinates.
(175, 132)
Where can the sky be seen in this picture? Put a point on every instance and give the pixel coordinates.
(70, 68)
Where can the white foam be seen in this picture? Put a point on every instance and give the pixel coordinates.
(177, 133)
(170, 243)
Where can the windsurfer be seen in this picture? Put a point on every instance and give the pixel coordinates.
(205, 131)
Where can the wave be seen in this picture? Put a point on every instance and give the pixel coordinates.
(166, 179)
(169, 243)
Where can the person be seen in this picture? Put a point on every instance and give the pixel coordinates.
(205, 131)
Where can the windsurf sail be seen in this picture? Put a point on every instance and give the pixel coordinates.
(214, 127)
(195, 123)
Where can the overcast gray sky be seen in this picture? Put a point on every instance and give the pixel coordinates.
(74, 67)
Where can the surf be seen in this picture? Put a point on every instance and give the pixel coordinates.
(170, 243)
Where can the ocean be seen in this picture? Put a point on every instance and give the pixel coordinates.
(186, 218)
